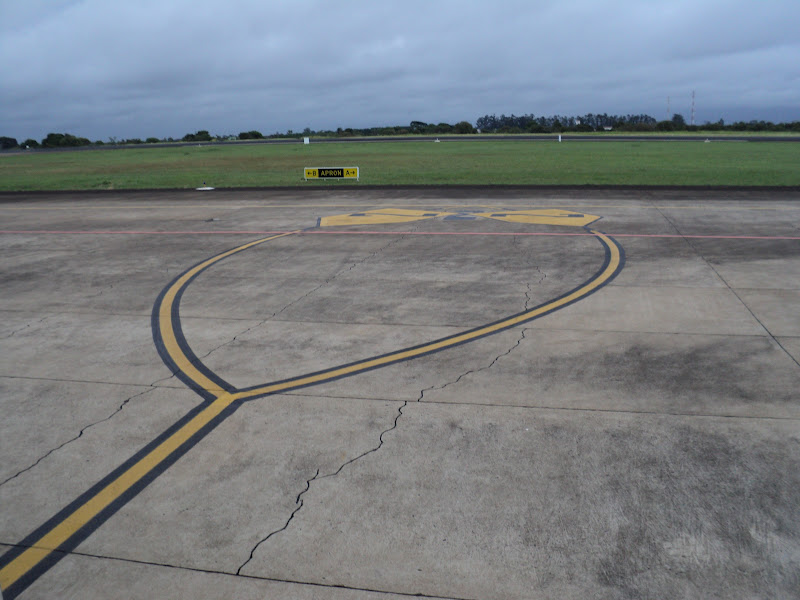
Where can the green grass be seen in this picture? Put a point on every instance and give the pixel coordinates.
(412, 163)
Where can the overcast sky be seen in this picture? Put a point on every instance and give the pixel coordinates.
(162, 68)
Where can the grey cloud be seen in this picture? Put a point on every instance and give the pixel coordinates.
(167, 67)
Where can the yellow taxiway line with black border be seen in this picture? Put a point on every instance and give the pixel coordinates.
(44, 547)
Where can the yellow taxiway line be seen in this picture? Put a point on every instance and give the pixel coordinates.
(192, 431)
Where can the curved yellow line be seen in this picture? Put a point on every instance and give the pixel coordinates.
(165, 317)
(69, 526)
(607, 273)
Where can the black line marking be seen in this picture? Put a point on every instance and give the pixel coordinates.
(84, 532)
(181, 338)
(599, 272)
(87, 529)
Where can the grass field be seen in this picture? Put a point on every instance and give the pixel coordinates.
(411, 163)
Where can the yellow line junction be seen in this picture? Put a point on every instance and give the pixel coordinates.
(62, 533)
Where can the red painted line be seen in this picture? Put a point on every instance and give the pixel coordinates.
(552, 233)
(321, 232)
(133, 232)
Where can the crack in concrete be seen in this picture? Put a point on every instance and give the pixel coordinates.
(80, 434)
(317, 476)
(299, 502)
(516, 244)
(173, 375)
(473, 371)
(531, 284)
(24, 327)
(101, 292)
(394, 425)
(376, 448)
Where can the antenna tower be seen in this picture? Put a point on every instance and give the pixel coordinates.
(668, 117)
(692, 107)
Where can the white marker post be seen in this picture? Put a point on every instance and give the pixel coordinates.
(559, 138)
(306, 140)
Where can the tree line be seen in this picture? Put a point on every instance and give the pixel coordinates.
(605, 122)
(504, 124)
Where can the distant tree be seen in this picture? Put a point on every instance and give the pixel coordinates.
(133, 141)
(30, 143)
(152, 140)
(53, 140)
(250, 135)
(200, 136)
(63, 140)
(678, 121)
(443, 128)
(7, 143)
(665, 126)
(535, 127)
(463, 127)
(486, 123)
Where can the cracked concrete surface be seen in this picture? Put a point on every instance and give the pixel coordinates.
(545, 486)
(78, 436)
(299, 502)
(211, 517)
(471, 372)
(641, 443)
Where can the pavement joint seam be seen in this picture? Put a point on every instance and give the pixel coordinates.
(553, 408)
(695, 287)
(80, 434)
(67, 309)
(733, 291)
(651, 332)
(149, 563)
(91, 381)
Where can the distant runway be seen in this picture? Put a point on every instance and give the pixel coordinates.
(566, 137)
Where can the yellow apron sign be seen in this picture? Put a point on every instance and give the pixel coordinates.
(330, 173)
